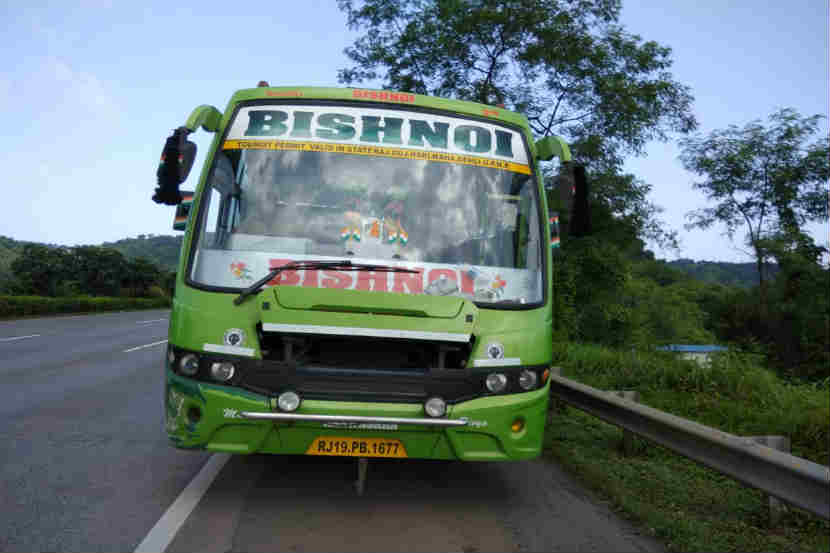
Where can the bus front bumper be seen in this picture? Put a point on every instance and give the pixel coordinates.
(356, 419)
(220, 418)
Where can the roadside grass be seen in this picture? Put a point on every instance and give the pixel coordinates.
(686, 505)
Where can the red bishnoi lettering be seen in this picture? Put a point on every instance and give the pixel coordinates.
(336, 279)
(285, 278)
(365, 277)
(402, 283)
(310, 279)
(467, 283)
(435, 274)
(414, 282)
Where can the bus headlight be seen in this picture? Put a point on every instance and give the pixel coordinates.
(288, 401)
(222, 371)
(527, 380)
(435, 407)
(496, 382)
(189, 364)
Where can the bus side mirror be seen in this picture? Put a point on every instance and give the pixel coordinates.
(183, 211)
(176, 161)
(552, 146)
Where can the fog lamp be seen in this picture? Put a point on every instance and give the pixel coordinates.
(189, 364)
(496, 382)
(288, 401)
(222, 371)
(435, 407)
(527, 380)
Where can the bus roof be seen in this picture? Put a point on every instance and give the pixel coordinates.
(387, 97)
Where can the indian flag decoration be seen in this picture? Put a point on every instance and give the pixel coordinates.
(394, 232)
(554, 231)
(392, 212)
(183, 211)
(353, 219)
(350, 233)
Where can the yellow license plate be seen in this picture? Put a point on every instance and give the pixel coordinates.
(356, 447)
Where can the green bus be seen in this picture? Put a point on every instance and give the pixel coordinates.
(364, 273)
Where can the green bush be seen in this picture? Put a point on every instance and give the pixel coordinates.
(23, 306)
(733, 393)
(156, 291)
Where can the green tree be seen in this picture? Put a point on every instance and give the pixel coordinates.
(99, 271)
(769, 180)
(39, 269)
(140, 275)
(569, 66)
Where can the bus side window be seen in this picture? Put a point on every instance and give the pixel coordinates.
(211, 237)
(222, 204)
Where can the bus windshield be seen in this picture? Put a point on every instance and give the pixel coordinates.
(452, 198)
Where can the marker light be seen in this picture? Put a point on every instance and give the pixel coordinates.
(517, 425)
(288, 401)
(527, 380)
(435, 407)
(261, 84)
(222, 371)
(189, 364)
(496, 382)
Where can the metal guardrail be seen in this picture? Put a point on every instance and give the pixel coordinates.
(794, 480)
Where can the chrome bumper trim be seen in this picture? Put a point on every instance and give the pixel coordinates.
(352, 418)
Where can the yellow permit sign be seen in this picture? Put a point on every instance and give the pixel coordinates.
(382, 151)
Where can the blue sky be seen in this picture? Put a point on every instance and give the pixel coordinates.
(89, 90)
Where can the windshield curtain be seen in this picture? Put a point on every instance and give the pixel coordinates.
(468, 223)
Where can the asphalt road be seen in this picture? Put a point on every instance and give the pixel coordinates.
(84, 465)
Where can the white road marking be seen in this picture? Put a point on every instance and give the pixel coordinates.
(168, 525)
(151, 321)
(18, 337)
(145, 346)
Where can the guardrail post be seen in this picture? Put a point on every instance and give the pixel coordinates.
(628, 444)
(556, 404)
(781, 443)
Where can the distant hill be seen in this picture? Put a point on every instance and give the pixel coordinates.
(744, 275)
(163, 250)
(159, 249)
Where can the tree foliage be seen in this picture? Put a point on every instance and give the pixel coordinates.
(45, 270)
(769, 180)
(569, 66)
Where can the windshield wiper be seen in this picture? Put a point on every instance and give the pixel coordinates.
(344, 265)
